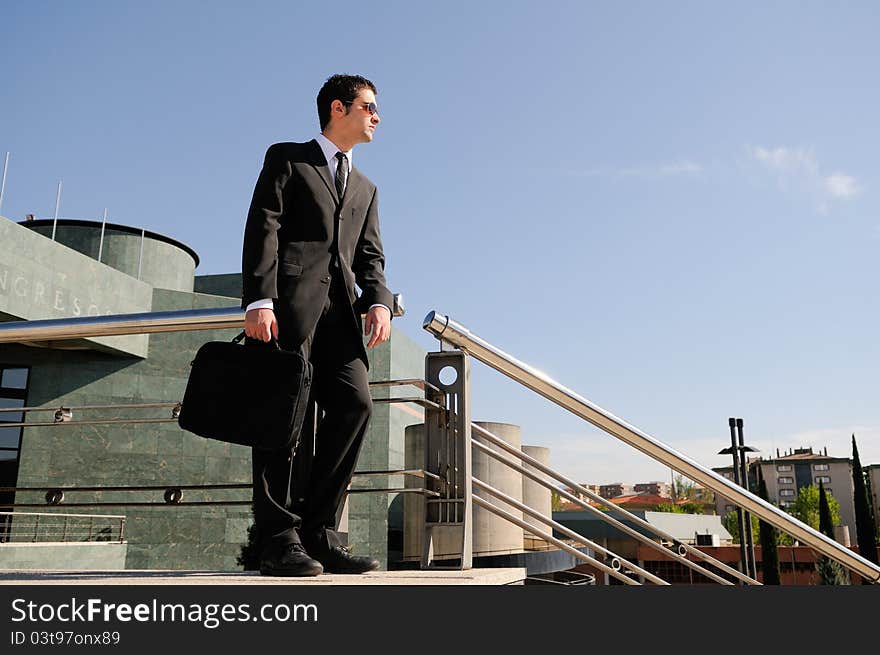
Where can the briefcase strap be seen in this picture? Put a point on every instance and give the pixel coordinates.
(272, 500)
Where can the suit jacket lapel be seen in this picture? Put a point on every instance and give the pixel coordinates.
(323, 169)
(353, 186)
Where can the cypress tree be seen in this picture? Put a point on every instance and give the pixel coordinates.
(767, 537)
(830, 572)
(864, 523)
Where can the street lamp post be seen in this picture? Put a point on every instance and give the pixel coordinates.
(740, 477)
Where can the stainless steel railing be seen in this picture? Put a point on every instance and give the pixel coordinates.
(677, 552)
(457, 335)
(213, 318)
(44, 527)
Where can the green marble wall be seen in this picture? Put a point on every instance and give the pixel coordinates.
(368, 513)
(164, 536)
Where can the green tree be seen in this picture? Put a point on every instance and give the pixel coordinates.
(806, 507)
(830, 572)
(768, 537)
(555, 501)
(731, 524)
(683, 488)
(864, 521)
(672, 508)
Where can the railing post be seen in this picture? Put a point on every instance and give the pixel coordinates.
(64, 530)
(121, 529)
(448, 518)
(36, 526)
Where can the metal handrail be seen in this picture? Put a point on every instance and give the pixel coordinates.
(571, 534)
(23, 527)
(211, 318)
(459, 336)
(681, 548)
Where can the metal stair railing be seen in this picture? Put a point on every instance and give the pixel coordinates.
(678, 551)
(455, 334)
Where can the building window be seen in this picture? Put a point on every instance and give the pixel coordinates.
(13, 394)
(824, 479)
(783, 468)
(786, 493)
(821, 467)
(786, 480)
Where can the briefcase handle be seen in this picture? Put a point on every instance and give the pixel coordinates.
(241, 335)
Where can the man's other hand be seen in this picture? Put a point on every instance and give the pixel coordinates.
(261, 324)
(378, 322)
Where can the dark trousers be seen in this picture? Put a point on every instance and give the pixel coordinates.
(340, 386)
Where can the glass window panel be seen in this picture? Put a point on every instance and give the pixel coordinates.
(9, 437)
(7, 455)
(14, 378)
(11, 417)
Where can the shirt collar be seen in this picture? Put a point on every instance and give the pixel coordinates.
(330, 149)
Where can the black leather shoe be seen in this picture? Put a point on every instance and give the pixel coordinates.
(339, 560)
(291, 560)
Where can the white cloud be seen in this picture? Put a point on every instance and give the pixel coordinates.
(798, 170)
(680, 167)
(841, 186)
(788, 161)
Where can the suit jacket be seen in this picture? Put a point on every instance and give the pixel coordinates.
(296, 226)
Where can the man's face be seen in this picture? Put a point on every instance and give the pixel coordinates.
(359, 124)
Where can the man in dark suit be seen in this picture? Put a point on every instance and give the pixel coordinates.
(312, 233)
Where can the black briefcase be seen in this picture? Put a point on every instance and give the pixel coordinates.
(252, 394)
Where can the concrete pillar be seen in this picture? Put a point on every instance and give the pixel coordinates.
(534, 495)
(492, 535)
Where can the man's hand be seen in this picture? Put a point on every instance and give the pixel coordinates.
(261, 324)
(379, 322)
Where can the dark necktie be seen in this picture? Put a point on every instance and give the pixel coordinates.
(341, 173)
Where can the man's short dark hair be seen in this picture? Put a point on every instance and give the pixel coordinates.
(340, 87)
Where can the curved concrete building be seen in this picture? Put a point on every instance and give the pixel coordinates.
(153, 258)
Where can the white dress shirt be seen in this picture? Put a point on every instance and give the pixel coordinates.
(329, 149)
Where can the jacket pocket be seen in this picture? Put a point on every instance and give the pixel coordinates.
(291, 269)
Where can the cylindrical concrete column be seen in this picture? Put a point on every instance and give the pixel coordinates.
(492, 535)
(534, 495)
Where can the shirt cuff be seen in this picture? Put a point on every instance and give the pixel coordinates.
(390, 313)
(265, 303)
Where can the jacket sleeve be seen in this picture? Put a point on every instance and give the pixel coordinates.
(259, 261)
(369, 262)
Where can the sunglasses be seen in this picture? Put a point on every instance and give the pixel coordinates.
(371, 107)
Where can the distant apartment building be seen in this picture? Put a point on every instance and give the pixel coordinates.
(616, 489)
(589, 487)
(785, 475)
(663, 489)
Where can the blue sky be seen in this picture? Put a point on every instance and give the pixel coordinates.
(671, 208)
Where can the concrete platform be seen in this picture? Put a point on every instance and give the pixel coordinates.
(499, 576)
